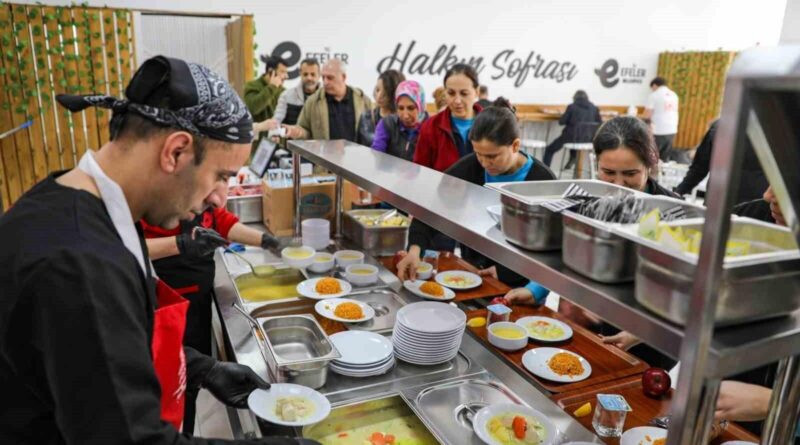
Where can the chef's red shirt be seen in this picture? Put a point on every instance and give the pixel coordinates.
(218, 219)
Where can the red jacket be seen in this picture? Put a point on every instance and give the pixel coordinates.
(436, 147)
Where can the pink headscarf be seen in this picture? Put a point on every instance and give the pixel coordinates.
(414, 91)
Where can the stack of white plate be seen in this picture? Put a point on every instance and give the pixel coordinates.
(364, 354)
(428, 333)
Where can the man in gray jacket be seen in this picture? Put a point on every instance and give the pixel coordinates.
(291, 101)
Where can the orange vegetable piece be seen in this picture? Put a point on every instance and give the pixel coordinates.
(342, 435)
(377, 439)
(519, 425)
(389, 439)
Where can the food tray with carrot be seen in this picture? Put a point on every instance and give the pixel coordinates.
(607, 362)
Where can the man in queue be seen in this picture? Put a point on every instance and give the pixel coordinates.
(90, 340)
(332, 112)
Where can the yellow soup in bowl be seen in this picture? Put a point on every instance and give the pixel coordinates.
(508, 333)
(361, 271)
(298, 253)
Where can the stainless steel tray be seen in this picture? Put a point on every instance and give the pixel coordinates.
(248, 208)
(593, 250)
(385, 303)
(526, 223)
(754, 287)
(450, 406)
(298, 350)
(362, 415)
(375, 241)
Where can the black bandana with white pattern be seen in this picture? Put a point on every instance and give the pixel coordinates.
(176, 94)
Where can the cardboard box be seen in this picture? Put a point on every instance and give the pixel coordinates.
(316, 198)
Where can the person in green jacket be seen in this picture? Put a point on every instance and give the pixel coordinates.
(261, 95)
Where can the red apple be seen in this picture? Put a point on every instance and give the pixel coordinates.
(656, 382)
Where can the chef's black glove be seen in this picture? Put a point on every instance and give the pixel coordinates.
(200, 243)
(269, 242)
(231, 383)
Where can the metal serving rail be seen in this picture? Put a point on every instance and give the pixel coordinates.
(473, 362)
(458, 209)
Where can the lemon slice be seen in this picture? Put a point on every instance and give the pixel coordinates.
(476, 322)
(584, 410)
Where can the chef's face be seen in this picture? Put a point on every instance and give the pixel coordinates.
(191, 188)
(461, 95)
(496, 159)
(407, 111)
(622, 166)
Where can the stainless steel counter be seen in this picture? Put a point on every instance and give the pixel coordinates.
(457, 208)
(474, 362)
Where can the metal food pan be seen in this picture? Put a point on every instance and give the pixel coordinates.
(592, 249)
(374, 241)
(248, 208)
(357, 422)
(526, 223)
(299, 350)
(753, 287)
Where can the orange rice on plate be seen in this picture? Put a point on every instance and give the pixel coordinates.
(432, 289)
(564, 363)
(349, 311)
(328, 286)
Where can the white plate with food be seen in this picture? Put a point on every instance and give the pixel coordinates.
(428, 289)
(324, 288)
(509, 423)
(643, 435)
(344, 310)
(545, 329)
(556, 365)
(289, 404)
(459, 279)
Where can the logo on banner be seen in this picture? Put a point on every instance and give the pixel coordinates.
(291, 53)
(610, 74)
(506, 63)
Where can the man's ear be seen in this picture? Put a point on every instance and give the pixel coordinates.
(177, 151)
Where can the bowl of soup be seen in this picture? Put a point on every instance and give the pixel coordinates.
(345, 258)
(361, 274)
(298, 257)
(424, 271)
(323, 262)
(507, 336)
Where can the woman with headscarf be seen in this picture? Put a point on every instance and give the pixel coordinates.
(396, 134)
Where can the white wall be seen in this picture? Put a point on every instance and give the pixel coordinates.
(581, 33)
(791, 23)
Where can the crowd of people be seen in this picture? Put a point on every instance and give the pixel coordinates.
(105, 316)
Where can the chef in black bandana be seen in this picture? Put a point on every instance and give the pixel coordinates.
(90, 339)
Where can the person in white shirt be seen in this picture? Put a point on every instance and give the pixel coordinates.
(661, 110)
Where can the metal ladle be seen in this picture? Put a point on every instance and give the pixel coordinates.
(260, 271)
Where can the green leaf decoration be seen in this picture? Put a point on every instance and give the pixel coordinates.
(33, 13)
(110, 54)
(96, 35)
(70, 73)
(40, 64)
(36, 30)
(3, 71)
(107, 20)
(60, 65)
(75, 88)
(20, 10)
(6, 106)
(63, 82)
